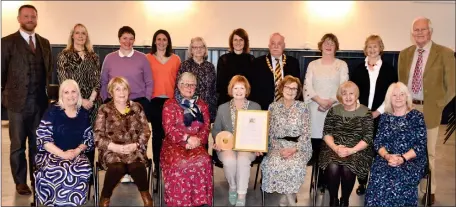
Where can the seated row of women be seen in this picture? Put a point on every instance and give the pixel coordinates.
(122, 133)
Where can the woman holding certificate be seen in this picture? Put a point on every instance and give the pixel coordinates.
(187, 167)
(284, 167)
(236, 164)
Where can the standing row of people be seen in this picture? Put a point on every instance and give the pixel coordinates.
(154, 76)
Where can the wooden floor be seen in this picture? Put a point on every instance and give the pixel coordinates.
(127, 194)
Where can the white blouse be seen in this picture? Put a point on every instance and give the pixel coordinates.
(322, 80)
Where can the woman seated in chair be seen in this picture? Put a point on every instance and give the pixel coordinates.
(186, 164)
(345, 154)
(236, 165)
(401, 146)
(63, 137)
(121, 135)
(284, 167)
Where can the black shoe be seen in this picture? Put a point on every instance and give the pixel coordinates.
(361, 189)
(343, 202)
(155, 174)
(334, 202)
(322, 188)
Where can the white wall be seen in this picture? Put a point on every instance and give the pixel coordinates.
(299, 21)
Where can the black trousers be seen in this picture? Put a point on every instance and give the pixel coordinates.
(117, 170)
(23, 125)
(158, 134)
(316, 145)
(363, 181)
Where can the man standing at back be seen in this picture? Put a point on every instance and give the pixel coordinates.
(268, 70)
(428, 69)
(26, 69)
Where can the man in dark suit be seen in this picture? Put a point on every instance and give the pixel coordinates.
(269, 70)
(26, 69)
(428, 69)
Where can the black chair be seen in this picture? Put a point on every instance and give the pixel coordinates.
(99, 167)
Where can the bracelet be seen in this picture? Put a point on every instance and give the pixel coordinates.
(403, 158)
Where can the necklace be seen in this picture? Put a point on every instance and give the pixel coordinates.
(284, 59)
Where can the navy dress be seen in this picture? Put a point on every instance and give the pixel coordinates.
(60, 182)
(398, 186)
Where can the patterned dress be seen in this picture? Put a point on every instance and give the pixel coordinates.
(206, 78)
(280, 175)
(60, 182)
(323, 81)
(349, 128)
(397, 186)
(86, 72)
(112, 126)
(187, 173)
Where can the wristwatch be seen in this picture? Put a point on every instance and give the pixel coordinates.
(186, 139)
(403, 158)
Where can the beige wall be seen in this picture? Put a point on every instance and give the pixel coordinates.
(302, 23)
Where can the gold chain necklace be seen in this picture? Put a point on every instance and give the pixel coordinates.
(284, 59)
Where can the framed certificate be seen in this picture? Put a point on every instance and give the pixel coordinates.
(251, 131)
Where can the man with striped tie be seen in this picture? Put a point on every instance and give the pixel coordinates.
(428, 69)
(268, 70)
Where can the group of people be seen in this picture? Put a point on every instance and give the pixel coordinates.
(371, 121)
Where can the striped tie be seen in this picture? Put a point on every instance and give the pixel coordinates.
(277, 79)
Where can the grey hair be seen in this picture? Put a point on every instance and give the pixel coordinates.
(190, 49)
(276, 33)
(187, 75)
(431, 29)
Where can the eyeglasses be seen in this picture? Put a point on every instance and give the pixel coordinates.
(198, 48)
(420, 30)
(291, 89)
(188, 85)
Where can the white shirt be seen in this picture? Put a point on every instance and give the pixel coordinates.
(274, 63)
(373, 76)
(427, 49)
(129, 54)
(26, 37)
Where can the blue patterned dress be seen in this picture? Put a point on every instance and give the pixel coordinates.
(60, 182)
(398, 186)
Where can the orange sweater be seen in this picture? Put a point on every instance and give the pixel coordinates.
(164, 75)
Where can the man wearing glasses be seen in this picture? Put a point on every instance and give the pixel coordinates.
(428, 70)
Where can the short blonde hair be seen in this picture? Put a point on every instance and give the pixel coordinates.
(190, 49)
(290, 79)
(402, 88)
(344, 86)
(64, 85)
(87, 46)
(117, 81)
(374, 38)
(239, 79)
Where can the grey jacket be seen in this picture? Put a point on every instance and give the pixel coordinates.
(223, 119)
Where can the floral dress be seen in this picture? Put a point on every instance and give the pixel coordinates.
(280, 175)
(398, 186)
(187, 173)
